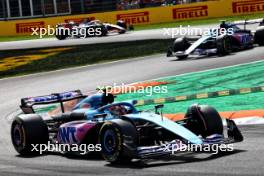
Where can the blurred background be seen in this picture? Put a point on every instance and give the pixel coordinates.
(17, 9)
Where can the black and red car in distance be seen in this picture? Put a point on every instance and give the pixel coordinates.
(217, 43)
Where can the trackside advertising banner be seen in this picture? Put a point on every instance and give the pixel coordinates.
(247, 7)
(193, 11)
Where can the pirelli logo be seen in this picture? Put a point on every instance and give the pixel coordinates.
(190, 12)
(134, 18)
(249, 6)
(79, 20)
(27, 27)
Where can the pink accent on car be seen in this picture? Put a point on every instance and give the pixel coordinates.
(80, 130)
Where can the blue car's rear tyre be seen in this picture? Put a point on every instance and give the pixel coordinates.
(118, 139)
(27, 130)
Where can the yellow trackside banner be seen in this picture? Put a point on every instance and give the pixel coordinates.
(184, 12)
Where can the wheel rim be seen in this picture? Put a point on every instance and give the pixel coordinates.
(18, 135)
(109, 141)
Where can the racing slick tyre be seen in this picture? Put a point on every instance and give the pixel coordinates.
(169, 52)
(179, 44)
(259, 36)
(61, 37)
(121, 23)
(104, 31)
(121, 31)
(182, 57)
(131, 27)
(61, 34)
(27, 130)
(204, 120)
(118, 139)
(223, 45)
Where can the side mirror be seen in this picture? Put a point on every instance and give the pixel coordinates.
(157, 107)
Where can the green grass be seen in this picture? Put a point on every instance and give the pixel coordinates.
(250, 101)
(81, 55)
(22, 37)
(242, 76)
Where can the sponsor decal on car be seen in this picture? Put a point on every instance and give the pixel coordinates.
(67, 135)
(134, 18)
(190, 12)
(28, 27)
(250, 6)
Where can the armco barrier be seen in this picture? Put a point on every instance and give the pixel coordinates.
(201, 96)
(193, 11)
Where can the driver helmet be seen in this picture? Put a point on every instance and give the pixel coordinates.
(95, 101)
(118, 110)
(71, 23)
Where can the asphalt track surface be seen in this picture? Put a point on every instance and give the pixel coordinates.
(247, 159)
(129, 36)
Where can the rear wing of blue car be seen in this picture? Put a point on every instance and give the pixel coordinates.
(28, 103)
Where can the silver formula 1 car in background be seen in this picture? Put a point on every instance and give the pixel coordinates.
(89, 29)
(217, 43)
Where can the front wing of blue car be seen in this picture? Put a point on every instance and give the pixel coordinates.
(212, 144)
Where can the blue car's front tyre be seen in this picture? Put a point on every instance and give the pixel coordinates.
(204, 120)
(118, 139)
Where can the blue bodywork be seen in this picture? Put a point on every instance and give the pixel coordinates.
(98, 111)
(136, 115)
(94, 106)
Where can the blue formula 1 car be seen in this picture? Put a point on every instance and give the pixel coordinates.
(227, 38)
(122, 132)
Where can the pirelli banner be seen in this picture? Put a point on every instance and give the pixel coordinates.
(193, 11)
